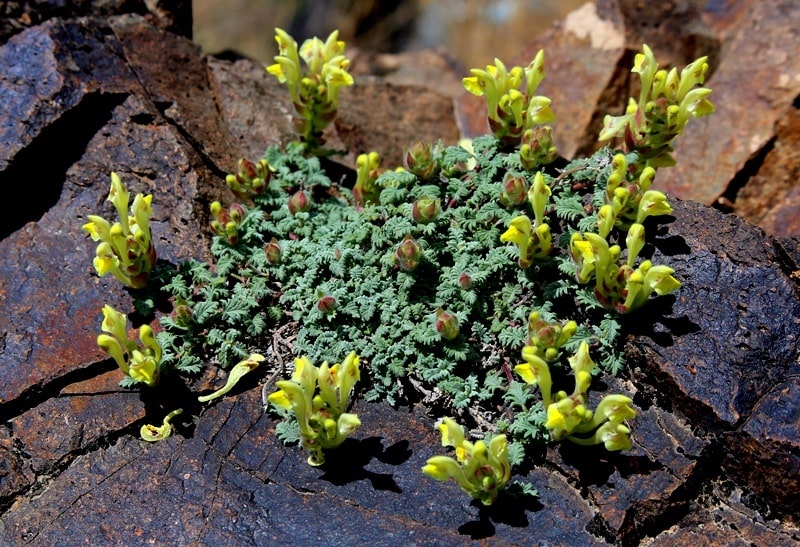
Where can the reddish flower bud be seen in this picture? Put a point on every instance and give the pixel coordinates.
(408, 254)
(250, 178)
(425, 209)
(326, 304)
(299, 202)
(515, 190)
(273, 251)
(236, 213)
(446, 324)
(422, 159)
(537, 147)
(247, 170)
(465, 281)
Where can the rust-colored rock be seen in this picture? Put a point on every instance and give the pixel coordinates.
(754, 85)
(771, 197)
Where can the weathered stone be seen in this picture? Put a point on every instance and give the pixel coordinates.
(771, 197)
(392, 116)
(15, 475)
(754, 84)
(726, 346)
(78, 421)
(765, 452)
(172, 15)
(254, 106)
(736, 311)
(728, 520)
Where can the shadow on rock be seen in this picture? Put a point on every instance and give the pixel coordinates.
(656, 321)
(348, 463)
(596, 465)
(170, 394)
(509, 509)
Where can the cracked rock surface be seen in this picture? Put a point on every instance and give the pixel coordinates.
(713, 369)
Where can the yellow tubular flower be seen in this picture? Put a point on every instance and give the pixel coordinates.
(519, 233)
(236, 374)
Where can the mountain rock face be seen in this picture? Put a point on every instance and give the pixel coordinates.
(713, 369)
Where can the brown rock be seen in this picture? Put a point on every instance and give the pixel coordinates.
(754, 84)
(771, 196)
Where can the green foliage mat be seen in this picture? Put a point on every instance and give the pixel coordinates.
(387, 315)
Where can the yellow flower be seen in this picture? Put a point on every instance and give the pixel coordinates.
(236, 374)
(152, 433)
(519, 233)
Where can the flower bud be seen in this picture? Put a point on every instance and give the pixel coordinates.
(272, 250)
(236, 213)
(299, 202)
(537, 148)
(446, 324)
(421, 159)
(408, 254)
(465, 281)
(182, 314)
(515, 190)
(326, 304)
(425, 209)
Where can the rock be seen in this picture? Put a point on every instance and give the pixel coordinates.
(713, 369)
(17, 15)
(741, 155)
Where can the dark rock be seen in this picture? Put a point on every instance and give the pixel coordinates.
(172, 15)
(754, 86)
(725, 353)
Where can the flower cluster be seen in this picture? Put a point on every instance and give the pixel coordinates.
(140, 361)
(568, 416)
(314, 92)
(366, 189)
(318, 397)
(250, 178)
(226, 222)
(481, 468)
(666, 103)
(534, 240)
(513, 113)
(620, 287)
(126, 248)
(629, 201)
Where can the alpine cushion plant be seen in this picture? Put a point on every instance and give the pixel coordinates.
(429, 273)
(126, 248)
